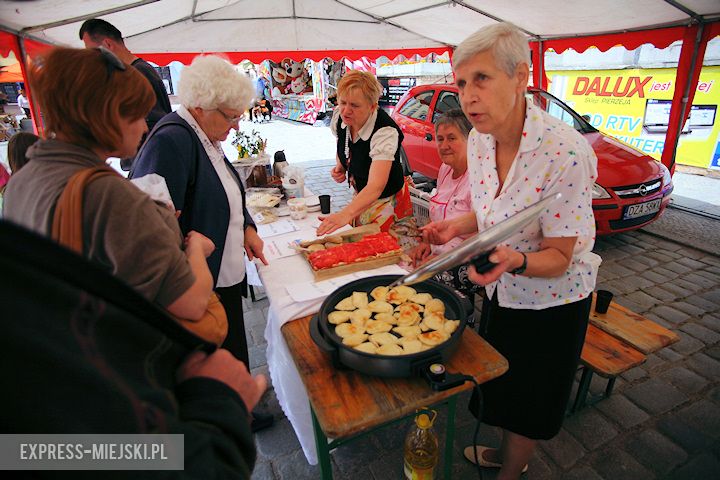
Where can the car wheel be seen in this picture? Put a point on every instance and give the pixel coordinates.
(407, 171)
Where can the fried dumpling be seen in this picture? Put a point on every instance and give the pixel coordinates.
(386, 317)
(421, 298)
(346, 304)
(434, 305)
(376, 326)
(451, 325)
(408, 331)
(390, 349)
(360, 299)
(347, 329)
(410, 305)
(360, 316)
(431, 338)
(366, 347)
(408, 319)
(337, 317)
(412, 346)
(407, 316)
(383, 338)
(379, 293)
(400, 294)
(378, 306)
(355, 340)
(434, 321)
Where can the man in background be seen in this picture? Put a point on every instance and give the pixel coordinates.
(99, 33)
(24, 103)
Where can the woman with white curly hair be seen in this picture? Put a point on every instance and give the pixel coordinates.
(184, 148)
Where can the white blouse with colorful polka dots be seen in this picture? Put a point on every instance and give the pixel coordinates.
(552, 158)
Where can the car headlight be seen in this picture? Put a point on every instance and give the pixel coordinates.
(599, 192)
(666, 178)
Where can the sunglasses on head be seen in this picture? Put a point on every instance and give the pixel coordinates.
(111, 61)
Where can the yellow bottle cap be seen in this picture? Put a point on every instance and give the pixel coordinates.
(423, 421)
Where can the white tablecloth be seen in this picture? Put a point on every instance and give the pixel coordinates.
(289, 389)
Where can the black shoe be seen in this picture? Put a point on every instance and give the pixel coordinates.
(261, 421)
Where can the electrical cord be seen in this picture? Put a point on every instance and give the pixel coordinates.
(476, 388)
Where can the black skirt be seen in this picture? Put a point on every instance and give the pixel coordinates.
(543, 349)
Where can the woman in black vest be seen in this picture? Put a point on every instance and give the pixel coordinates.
(368, 156)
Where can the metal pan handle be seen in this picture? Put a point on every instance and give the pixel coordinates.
(317, 336)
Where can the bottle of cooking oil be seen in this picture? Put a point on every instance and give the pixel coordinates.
(421, 448)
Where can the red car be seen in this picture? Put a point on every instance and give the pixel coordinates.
(632, 189)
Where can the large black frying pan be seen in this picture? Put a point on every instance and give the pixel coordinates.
(457, 307)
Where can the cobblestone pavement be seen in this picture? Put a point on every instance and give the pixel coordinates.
(662, 420)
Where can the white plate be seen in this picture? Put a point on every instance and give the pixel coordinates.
(313, 208)
(283, 211)
(312, 201)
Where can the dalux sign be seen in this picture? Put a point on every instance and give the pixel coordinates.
(611, 87)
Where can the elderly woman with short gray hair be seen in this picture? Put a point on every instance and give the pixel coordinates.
(184, 148)
(538, 292)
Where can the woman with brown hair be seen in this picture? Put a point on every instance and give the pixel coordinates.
(93, 111)
(123, 229)
(18, 147)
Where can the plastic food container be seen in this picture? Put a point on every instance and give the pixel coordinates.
(298, 208)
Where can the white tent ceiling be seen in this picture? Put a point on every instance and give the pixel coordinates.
(300, 25)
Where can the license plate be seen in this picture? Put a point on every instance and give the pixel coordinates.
(641, 209)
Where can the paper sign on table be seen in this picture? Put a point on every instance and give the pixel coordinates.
(283, 225)
(302, 292)
(275, 249)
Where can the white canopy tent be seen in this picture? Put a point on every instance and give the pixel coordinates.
(165, 30)
(172, 26)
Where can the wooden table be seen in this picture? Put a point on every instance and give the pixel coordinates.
(346, 404)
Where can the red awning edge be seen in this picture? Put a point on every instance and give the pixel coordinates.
(186, 58)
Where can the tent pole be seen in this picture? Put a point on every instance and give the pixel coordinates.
(541, 65)
(688, 72)
(37, 124)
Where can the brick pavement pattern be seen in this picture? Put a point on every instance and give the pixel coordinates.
(662, 420)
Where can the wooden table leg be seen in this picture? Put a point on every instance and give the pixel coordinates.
(322, 448)
(450, 437)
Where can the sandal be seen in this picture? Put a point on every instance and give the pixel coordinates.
(470, 456)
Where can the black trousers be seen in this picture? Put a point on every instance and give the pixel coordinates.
(236, 341)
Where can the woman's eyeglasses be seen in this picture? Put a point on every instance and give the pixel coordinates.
(111, 61)
(228, 118)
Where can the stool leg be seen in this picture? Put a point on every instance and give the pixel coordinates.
(450, 438)
(321, 445)
(252, 292)
(609, 387)
(583, 387)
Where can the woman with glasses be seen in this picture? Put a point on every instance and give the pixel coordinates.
(184, 148)
(368, 157)
(452, 197)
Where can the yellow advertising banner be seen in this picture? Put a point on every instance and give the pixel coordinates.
(634, 106)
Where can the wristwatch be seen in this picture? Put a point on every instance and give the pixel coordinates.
(521, 268)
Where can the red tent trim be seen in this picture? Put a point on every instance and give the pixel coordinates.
(186, 58)
(659, 37)
(8, 44)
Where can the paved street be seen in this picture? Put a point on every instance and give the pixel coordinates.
(662, 421)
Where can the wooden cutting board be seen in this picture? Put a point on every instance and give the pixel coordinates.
(348, 236)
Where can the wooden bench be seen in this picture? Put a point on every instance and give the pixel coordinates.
(615, 342)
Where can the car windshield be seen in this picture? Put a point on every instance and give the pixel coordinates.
(559, 110)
